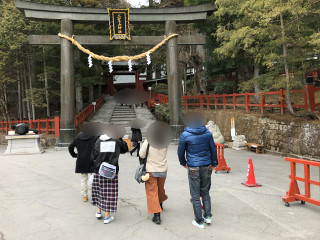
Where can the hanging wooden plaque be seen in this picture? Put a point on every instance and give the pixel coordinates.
(119, 24)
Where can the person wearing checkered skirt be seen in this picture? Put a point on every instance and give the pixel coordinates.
(105, 190)
(105, 193)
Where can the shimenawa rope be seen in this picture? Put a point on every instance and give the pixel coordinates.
(117, 58)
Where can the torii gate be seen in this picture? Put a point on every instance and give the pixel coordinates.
(69, 15)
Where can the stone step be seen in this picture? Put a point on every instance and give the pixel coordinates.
(121, 120)
(123, 114)
(124, 110)
(122, 117)
(120, 109)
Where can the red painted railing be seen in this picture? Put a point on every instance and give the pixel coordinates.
(87, 111)
(226, 101)
(42, 125)
(294, 192)
(52, 125)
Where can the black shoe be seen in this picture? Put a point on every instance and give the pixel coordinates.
(156, 218)
(130, 153)
(161, 206)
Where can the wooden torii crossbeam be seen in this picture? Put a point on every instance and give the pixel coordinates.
(67, 16)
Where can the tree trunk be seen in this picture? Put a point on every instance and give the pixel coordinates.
(79, 88)
(31, 79)
(25, 91)
(79, 98)
(46, 79)
(4, 102)
(150, 3)
(184, 77)
(196, 60)
(286, 67)
(255, 75)
(19, 94)
(158, 72)
(91, 93)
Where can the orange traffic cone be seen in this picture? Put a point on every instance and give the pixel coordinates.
(251, 180)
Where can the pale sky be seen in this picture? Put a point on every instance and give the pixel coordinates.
(138, 3)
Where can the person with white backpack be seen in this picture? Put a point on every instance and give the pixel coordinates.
(105, 157)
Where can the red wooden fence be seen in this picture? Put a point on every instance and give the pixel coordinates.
(221, 101)
(87, 111)
(52, 125)
(42, 125)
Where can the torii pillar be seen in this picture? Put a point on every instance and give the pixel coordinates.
(174, 83)
(67, 128)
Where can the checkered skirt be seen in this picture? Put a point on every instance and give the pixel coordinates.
(105, 193)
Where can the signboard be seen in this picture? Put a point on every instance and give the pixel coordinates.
(119, 24)
(233, 129)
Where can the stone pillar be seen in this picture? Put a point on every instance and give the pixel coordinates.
(174, 83)
(67, 129)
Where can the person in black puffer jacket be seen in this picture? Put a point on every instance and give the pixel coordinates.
(84, 144)
(136, 140)
(105, 190)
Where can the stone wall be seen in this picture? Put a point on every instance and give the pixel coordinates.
(285, 134)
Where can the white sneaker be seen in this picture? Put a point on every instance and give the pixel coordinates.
(108, 220)
(201, 226)
(98, 215)
(207, 220)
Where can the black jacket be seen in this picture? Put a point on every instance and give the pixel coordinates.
(136, 135)
(84, 144)
(99, 157)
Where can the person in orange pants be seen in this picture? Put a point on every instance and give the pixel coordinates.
(156, 194)
(157, 169)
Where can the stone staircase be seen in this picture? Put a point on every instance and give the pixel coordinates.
(112, 112)
(122, 115)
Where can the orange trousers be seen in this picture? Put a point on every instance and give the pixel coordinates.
(155, 193)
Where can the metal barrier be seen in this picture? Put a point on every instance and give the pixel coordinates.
(294, 193)
(222, 164)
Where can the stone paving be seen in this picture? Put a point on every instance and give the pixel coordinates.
(40, 199)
